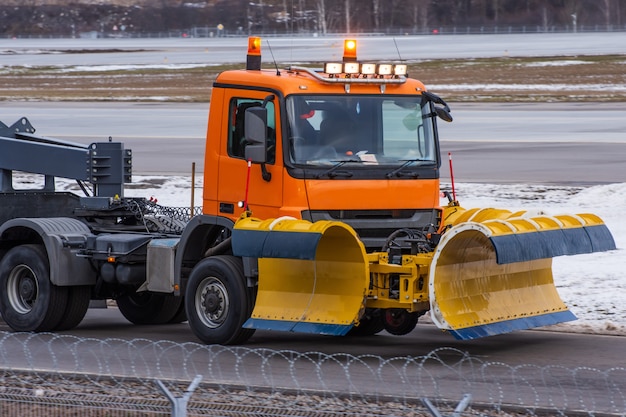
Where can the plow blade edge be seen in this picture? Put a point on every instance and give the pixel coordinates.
(492, 271)
(313, 277)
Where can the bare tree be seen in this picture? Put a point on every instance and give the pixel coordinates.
(421, 14)
(573, 10)
(496, 10)
(287, 15)
(376, 14)
(605, 6)
(321, 16)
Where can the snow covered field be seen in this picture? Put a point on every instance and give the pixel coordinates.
(593, 286)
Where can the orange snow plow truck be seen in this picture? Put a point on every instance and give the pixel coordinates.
(321, 214)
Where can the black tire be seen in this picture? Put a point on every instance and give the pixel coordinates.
(148, 308)
(399, 322)
(181, 314)
(28, 300)
(218, 302)
(77, 305)
(370, 324)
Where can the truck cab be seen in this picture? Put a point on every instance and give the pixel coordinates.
(351, 142)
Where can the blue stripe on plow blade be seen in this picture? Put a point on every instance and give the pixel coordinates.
(529, 246)
(508, 326)
(298, 327)
(275, 244)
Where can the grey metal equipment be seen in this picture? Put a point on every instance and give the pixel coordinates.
(106, 165)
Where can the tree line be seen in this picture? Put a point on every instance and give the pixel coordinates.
(355, 16)
(311, 16)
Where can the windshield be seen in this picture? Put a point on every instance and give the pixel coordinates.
(369, 130)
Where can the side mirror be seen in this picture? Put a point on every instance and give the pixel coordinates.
(255, 128)
(443, 114)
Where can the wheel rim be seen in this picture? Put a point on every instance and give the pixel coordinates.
(212, 302)
(395, 319)
(22, 289)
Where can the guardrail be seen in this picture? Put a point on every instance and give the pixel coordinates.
(61, 375)
(213, 32)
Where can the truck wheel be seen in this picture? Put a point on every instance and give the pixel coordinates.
(28, 300)
(148, 308)
(77, 305)
(218, 302)
(370, 324)
(399, 322)
(181, 314)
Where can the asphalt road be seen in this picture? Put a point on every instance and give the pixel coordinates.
(208, 51)
(566, 143)
(536, 368)
(538, 347)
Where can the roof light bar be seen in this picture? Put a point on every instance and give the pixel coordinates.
(357, 69)
(333, 73)
(352, 71)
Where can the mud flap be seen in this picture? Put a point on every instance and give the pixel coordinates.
(493, 276)
(313, 277)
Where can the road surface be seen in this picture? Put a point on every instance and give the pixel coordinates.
(534, 368)
(575, 144)
(210, 51)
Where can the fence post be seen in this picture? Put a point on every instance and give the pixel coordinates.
(465, 401)
(179, 404)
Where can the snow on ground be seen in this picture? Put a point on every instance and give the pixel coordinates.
(555, 63)
(528, 87)
(603, 87)
(593, 286)
(102, 68)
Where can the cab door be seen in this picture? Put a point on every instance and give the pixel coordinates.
(264, 195)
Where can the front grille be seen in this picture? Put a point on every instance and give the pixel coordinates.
(374, 226)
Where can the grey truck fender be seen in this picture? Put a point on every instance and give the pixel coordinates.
(62, 238)
(200, 233)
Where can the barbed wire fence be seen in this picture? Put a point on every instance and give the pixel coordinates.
(62, 375)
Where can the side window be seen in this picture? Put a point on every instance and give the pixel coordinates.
(237, 136)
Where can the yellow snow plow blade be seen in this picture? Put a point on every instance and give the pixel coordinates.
(492, 270)
(313, 277)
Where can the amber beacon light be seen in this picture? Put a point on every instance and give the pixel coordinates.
(349, 50)
(253, 59)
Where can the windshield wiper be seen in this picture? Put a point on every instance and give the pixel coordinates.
(332, 171)
(398, 171)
